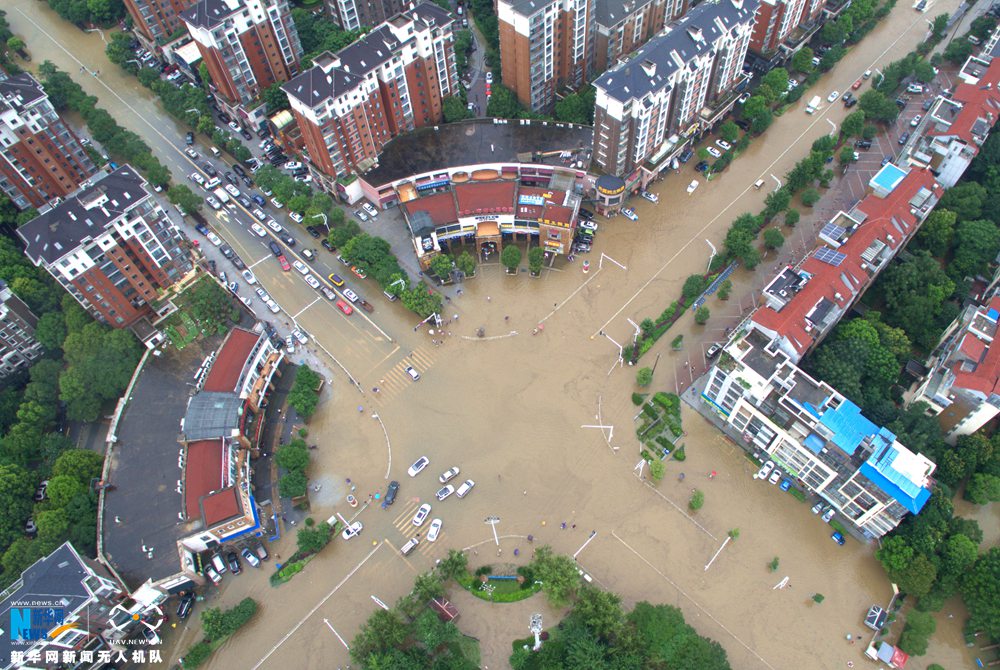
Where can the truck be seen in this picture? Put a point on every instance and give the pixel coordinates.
(813, 104)
(221, 195)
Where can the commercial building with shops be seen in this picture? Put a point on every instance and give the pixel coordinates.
(18, 346)
(41, 158)
(247, 45)
(545, 45)
(813, 433)
(679, 84)
(390, 82)
(110, 245)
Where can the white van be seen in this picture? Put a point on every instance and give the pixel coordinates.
(758, 184)
(464, 489)
(408, 548)
(215, 151)
(220, 565)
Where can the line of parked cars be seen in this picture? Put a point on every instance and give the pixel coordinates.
(218, 564)
(424, 511)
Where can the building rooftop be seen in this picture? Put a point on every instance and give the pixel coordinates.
(978, 369)
(478, 142)
(900, 473)
(204, 473)
(212, 414)
(210, 13)
(19, 91)
(612, 12)
(82, 216)
(529, 7)
(220, 506)
(227, 369)
(431, 211)
(485, 197)
(650, 68)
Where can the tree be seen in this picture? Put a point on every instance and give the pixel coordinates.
(383, 631)
(211, 307)
(773, 239)
(696, 501)
(693, 287)
(466, 263)
(557, 573)
(62, 489)
(777, 201)
(958, 51)
(853, 124)
(792, 217)
(304, 397)
(421, 301)
(293, 456)
(915, 293)
(919, 628)
(729, 131)
(454, 109)
(810, 197)
(82, 464)
(511, 257)
(936, 232)
(577, 107)
(293, 485)
(454, 566)
(656, 470)
(275, 99)
(441, 266)
(701, 315)
(503, 104)
(878, 107)
(51, 331)
(430, 630)
(981, 592)
(776, 80)
(644, 377)
(967, 200)
(16, 488)
(802, 60)
(976, 245)
(917, 578)
(983, 488)
(312, 540)
(536, 256)
(184, 198)
(600, 611)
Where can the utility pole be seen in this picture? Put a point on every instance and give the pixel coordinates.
(493, 521)
(655, 363)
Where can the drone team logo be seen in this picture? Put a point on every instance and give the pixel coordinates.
(152, 619)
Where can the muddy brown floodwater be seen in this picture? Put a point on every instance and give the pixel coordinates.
(510, 410)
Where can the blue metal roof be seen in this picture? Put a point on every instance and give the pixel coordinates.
(849, 426)
(993, 314)
(815, 443)
(902, 490)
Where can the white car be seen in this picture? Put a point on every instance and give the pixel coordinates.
(301, 267)
(712, 151)
(213, 203)
(191, 153)
(289, 344)
(361, 215)
(235, 126)
(295, 216)
(328, 293)
(444, 492)
(421, 515)
(197, 179)
(434, 530)
(274, 225)
(312, 281)
(775, 476)
(587, 225)
(833, 96)
(248, 277)
(277, 203)
(351, 295)
(305, 179)
(300, 336)
(250, 557)
(692, 187)
(489, 77)
(259, 214)
(213, 575)
(828, 515)
(232, 190)
(214, 239)
(464, 489)
(414, 375)
(630, 213)
(212, 183)
(915, 121)
(652, 197)
(765, 470)
(367, 206)
(352, 530)
(449, 475)
(273, 306)
(292, 165)
(262, 294)
(724, 145)
(258, 230)
(418, 466)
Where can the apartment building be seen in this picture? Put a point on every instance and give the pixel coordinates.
(622, 26)
(41, 158)
(545, 45)
(110, 245)
(18, 346)
(962, 386)
(156, 21)
(247, 45)
(813, 433)
(802, 304)
(660, 93)
(778, 21)
(394, 80)
(355, 14)
(954, 129)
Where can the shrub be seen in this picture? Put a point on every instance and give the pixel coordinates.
(818, 598)
(637, 399)
(677, 342)
(697, 500)
(656, 470)
(773, 565)
(679, 455)
(644, 377)
(810, 197)
(702, 315)
(693, 287)
(197, 655)
(724, 289)
(773, 238)
(792, 217)
(484, 570)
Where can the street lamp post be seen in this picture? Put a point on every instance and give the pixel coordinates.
(712, 257)
(833, 127)
(778, 181)
(493, 521)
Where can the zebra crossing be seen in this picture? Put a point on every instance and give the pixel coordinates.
(396, 380)
(404, 524)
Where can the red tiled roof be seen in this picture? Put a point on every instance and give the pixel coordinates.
(986, 377)
(485, 197)
(221, 505)
(231, 360)
(827, 282)
(203, 473)
(973, 347)
(440, 207)
(558, 215)
(980, 100)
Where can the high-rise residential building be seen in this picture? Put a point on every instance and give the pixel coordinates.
(777, 21)
(156, 21)
(247, 45)
(622, 26)
(40, 157)
(349, 104)
(660, 92)
(545, 45)
(110, 245)
(355, 14)
(18, 346)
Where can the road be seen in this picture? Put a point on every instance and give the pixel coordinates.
(509, 409)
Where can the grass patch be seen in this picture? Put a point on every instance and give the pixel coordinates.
(797, 494)
(504, 590)
(288, 571)
(836, 525)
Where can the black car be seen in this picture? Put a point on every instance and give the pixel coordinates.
(686, 156)
(313, 231)
(211, 266)
(234, 562)
(863, 144)
(230, 178)
(246, 135)
(902, 138)
(850, 103)
(259, 199)
(390, 493)
(209, 169)
(246, 202)
(287, 239)
(586, 214)
(329, 247)
(248, 182)
(185, 605)
(238, 262)
(702, 166)
(189, 138)
(275, 249)
(224, 118)
(226, 250)
(238, 169)
(928, 103)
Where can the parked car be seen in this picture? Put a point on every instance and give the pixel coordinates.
(686, 155)
(817, 508)
(345, 308)
(41, 489)
(786, 484)
(250, 557)
(630, 213)
(833, 96)
(414, 375)
(391, 492)
(915, 121)
(189, 138)
(652, 197)
(434, 530)
(724, 145)
(368, 207)
(775, 476)
(765, 470)
(856, 85)
(213, 575)
(713, 350)
(352, 530)
(828, 514)
(234, 563)
(838, 537)
(713, 152)
(422, 512)
(702, 166)
(444, 492)
(903, 138)
(464, 489)
(448, 475)
(300, 336)
(261, 552)
(335, 279)
(693, 186)
(863, 144)
(418, 466)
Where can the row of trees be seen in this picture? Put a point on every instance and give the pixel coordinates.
(218, 624)
(304, 394)
(294, 459)
(6, 36)
(318, 34)
(123, 145)
(89, 12)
